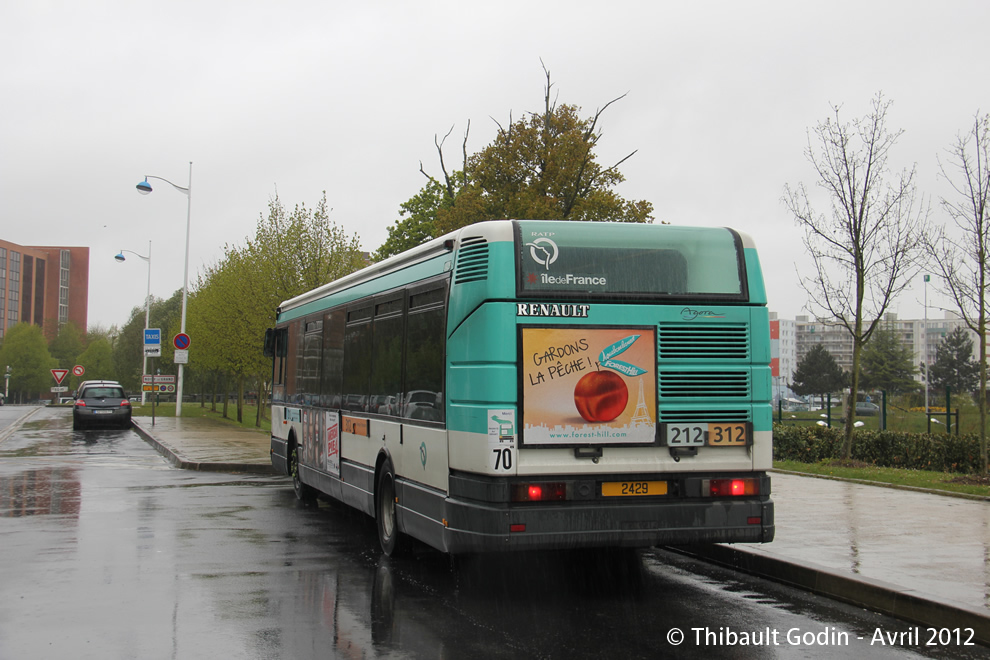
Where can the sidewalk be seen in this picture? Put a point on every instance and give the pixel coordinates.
(918, 556)
(915, 555)
(201, 443)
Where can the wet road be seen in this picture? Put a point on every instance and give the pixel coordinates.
(107, 552)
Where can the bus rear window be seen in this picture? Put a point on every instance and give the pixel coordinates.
(577, 258)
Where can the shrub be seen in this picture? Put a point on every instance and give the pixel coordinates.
(917, 451)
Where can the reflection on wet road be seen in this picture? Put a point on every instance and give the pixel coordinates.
(107, 552)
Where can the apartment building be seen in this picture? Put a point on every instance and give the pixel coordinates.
(44, 285)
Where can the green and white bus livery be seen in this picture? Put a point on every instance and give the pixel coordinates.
(533, 384)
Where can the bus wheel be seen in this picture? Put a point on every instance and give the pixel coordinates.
(387, 523)
(304, 493)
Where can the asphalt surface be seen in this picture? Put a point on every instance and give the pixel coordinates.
(920, 556)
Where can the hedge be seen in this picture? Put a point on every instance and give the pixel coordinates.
(918, 451)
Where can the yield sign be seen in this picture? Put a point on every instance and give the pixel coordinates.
(60, 375)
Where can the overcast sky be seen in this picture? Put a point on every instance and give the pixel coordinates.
(302, 97)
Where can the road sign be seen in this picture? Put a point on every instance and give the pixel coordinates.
(157, 378)
(181, 341)
(59, 375)
(158, 388)
(181, 356)
(78, 370)
(60, 388)
(152, 342)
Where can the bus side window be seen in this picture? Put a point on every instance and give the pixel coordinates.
(424, 355)
(357, 358)
(332, 372)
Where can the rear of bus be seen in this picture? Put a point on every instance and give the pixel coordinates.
(607, 385)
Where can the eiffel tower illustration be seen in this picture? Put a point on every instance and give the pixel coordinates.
(642, 413)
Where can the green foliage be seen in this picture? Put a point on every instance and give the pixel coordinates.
(919, 451)
(67, 345)
(98, 361)
(542, 166)
(25, 350)
(417, 219)
(818, 373)
(888, 364)
(954, 365)
(235, 299)
(128, 345)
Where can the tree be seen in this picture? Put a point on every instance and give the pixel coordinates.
(818, 373)
(98, 360)
(888, 364)
(541, 166)
(962, 259)
(25, 351)
(954, 366)
(67, 345)
(417, 219)
(871, 238)
(128, 343)
(236, 298)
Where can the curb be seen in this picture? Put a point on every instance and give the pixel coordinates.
(176, 460)
(883, 597)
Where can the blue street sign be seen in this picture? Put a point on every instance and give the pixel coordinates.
(152, 342)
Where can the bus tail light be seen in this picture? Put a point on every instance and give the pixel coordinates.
(731, 487)
(539, 492)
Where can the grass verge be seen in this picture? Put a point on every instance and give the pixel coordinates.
(944, 481)
(196, 410)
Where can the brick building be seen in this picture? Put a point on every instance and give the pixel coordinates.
(47, 286)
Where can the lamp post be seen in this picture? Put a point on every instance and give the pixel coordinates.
(147, 308)
(144, 188)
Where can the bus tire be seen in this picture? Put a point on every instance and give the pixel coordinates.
(304, 493)
(386, 520)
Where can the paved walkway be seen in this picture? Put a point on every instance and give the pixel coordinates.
(202, 443)
(919, 556)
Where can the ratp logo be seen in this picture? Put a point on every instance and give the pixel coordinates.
(544, 251)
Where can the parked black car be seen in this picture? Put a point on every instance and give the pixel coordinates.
(101, 403)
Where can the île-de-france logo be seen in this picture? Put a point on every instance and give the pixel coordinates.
(544, 251)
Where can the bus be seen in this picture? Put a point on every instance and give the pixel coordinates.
(535, 384)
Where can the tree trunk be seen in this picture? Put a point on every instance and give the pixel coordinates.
(983, 388)
(240, 399)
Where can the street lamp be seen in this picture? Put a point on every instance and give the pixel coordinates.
(144, 188)
(147, 308)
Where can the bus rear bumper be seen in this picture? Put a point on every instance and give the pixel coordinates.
(477, 527)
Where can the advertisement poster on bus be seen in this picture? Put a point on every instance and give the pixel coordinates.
(332, 435)
(588, 386)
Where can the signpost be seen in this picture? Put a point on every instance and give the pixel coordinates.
(59, 375)
(181, 344)
(158, 383)
(152, 342)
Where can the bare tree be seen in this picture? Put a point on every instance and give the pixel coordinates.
(962, 258)
(865, 249)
